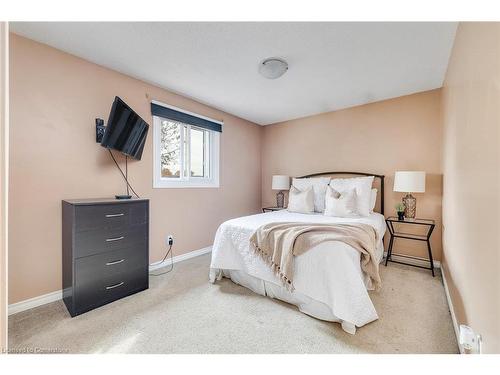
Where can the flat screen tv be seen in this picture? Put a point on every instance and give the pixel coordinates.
(126, 131)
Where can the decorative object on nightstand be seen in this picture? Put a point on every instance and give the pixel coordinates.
(271, 209)
(400, 209)
(430, 224)
(409, 182)
(280, 183)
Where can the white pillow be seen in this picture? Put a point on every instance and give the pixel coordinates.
(341, 204)
(363, 186)
(373, 200)
(319, 185)
(301, 201)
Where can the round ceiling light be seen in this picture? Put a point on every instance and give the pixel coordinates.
(273, 67)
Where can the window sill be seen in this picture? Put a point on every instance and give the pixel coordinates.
(184, 184)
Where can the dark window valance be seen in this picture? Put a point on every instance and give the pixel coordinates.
(172, 114)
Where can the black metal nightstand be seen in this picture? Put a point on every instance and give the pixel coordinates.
(271, 209)
(409, 236)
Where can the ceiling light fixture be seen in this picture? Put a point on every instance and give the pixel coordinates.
(273, 67)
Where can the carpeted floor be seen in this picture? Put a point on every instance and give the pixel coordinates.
(183, 313)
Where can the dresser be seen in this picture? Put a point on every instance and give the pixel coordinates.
(105, 251)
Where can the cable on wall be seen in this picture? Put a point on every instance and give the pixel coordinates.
(163, 260)
(124, 175)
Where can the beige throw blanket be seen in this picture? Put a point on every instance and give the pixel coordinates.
(278, 243)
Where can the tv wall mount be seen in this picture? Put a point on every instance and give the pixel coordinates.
(99, 129)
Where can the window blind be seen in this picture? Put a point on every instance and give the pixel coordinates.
(172, 114)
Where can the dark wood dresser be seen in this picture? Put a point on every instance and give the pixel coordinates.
(105, 251)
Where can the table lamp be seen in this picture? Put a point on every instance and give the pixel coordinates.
(409, 182)
(280, 183)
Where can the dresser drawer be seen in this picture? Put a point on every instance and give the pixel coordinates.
(111, 263)
(110, 216)
(108, 239)
(100, 279)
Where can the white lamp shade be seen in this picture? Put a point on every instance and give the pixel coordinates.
(409, 181)
(281, 182)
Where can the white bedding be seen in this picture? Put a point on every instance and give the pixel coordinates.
(329, 283)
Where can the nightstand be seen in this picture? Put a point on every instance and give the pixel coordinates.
(429, 224)
(271, 209)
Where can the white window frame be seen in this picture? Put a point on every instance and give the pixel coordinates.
(186, 181)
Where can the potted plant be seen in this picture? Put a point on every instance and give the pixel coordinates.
(400, 209)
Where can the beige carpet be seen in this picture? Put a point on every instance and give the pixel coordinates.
(183, 313)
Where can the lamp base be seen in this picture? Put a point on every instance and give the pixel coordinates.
(410, 203)
(280, 199)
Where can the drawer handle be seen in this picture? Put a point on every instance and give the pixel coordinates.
(115, 262)
(114, 286)
(114, 215)
(114, 239)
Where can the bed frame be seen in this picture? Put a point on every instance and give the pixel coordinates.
(378, 177)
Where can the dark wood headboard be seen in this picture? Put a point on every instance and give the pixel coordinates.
(378, 177)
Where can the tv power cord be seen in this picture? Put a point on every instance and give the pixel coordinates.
(124, 175)
(169, 251)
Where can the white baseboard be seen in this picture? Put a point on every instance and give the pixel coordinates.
(413, 260)
(180, 258)
(452, 312)
(35, 302)
(57, 295)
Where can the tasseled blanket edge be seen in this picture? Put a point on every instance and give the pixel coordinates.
(287, 283)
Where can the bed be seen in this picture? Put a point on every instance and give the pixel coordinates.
(329, 283)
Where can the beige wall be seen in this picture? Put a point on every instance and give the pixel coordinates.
(55, 98)
(4, 145)
(471, 205)
(383, 137)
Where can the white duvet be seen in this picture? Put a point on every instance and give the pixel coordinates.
(329, 283)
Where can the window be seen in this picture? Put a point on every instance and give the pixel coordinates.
(185, 154)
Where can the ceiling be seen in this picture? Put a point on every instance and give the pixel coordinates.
(332, 65)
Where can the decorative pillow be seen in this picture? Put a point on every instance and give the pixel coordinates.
(373, 200)
(341, 204)
(363, 186)
(301, 201)
(319, 185)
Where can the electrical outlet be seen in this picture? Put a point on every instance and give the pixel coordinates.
(469, 339)
(170, 240)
